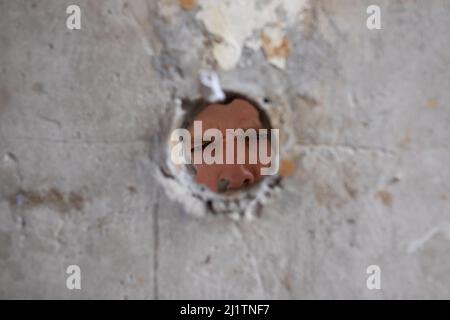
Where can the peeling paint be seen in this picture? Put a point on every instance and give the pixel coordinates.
(220, 18)
(188, 4)
(276, 46)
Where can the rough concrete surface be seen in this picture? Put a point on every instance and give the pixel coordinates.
(366, 182)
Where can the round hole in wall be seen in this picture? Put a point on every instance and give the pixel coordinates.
(179, 181)
(238, 113)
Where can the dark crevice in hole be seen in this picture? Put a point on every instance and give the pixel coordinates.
(276, 183)
(209, 205)
(258, 209)
(165, 172)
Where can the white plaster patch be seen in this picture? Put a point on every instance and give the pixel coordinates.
(237, 22)
(169, 10)
(210, 86)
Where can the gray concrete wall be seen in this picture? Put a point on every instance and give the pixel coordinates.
(368, 180)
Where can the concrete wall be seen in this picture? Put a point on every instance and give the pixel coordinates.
(368, 181)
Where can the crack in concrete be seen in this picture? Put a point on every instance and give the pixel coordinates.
(156, 247)
(418, 243)
(49, 120)
(253, 261)
(143, 28)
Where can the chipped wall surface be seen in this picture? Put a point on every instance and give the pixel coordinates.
(84, 122)
(250, 23)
